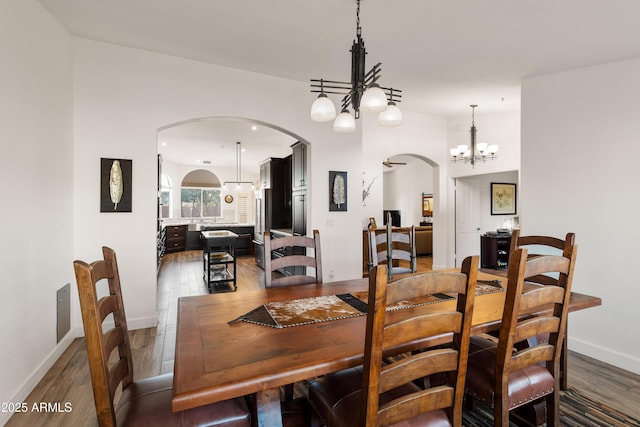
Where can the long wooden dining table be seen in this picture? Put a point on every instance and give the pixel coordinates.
(216, 360)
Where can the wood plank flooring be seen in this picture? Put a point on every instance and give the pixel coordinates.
(68, 381)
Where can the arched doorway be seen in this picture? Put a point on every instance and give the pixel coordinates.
(406, 179)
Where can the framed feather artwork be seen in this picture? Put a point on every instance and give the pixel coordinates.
(115, 185)
(337, 191)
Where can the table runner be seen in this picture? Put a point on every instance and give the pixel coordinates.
(303, 311)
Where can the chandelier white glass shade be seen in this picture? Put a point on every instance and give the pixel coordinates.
(238, 182)
(345, 122)
(392, 116)
(475, 153)
(322, 109)
(374, 99)
(362, 93)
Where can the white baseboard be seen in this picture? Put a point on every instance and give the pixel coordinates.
(141, 323)
(32, 381)
(132, 324)
(620, 360)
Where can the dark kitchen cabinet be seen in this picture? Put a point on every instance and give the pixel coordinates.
(299, 166)
(265, 174)
(299, 213)
(277, 193)
(175, 238)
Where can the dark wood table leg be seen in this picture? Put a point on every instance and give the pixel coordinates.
(268, 411)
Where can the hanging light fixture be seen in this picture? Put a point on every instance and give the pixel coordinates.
(362, 93)
(392, 116)
(238, 182)
(478, 152)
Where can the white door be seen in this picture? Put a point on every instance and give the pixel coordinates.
(467, 219)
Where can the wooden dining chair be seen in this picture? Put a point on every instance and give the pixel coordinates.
(506, 375)
(143, 402)
(546, 245)
(383, 391)
(287, 260)
(395, 247)
(542, 245)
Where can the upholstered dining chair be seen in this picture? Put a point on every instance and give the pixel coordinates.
(506, 375)
(145, 402)
(395, 247)
(290, 254)
(383, 391)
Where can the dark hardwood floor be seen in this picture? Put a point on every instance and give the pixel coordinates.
(68, 381)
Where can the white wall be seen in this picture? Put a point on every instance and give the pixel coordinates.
(580, 151)
(37, 192)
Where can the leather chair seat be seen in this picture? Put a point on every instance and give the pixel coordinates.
(336, 398)
(525, 385)
(148, 403)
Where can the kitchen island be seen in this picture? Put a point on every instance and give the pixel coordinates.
(219, 260)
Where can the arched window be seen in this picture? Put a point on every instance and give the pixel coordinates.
(200, 195)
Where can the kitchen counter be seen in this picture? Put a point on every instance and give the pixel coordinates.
(198, 226)
(244, 234)
(282, 231)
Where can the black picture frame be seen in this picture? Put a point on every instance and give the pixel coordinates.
(427, 205)
(504, 198)
(121, 182)
(337, 191)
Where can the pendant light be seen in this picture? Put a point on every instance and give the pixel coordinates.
(363, 92)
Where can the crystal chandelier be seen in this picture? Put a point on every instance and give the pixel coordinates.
(362, 92)
(478, 152)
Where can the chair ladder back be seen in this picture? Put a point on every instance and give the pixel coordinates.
(391, 246)
(517, 327)
(292, 260)
(518, 241)
(105, 377)
(382, 336)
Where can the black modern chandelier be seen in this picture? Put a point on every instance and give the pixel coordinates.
(362, 93)
(477, 153)
(238, 182)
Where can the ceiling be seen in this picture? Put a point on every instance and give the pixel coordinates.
(214, 140)
(443, 54)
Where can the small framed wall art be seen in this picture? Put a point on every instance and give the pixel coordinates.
(115, 185)
(503, 199)
(337, 191)
(427, 205)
